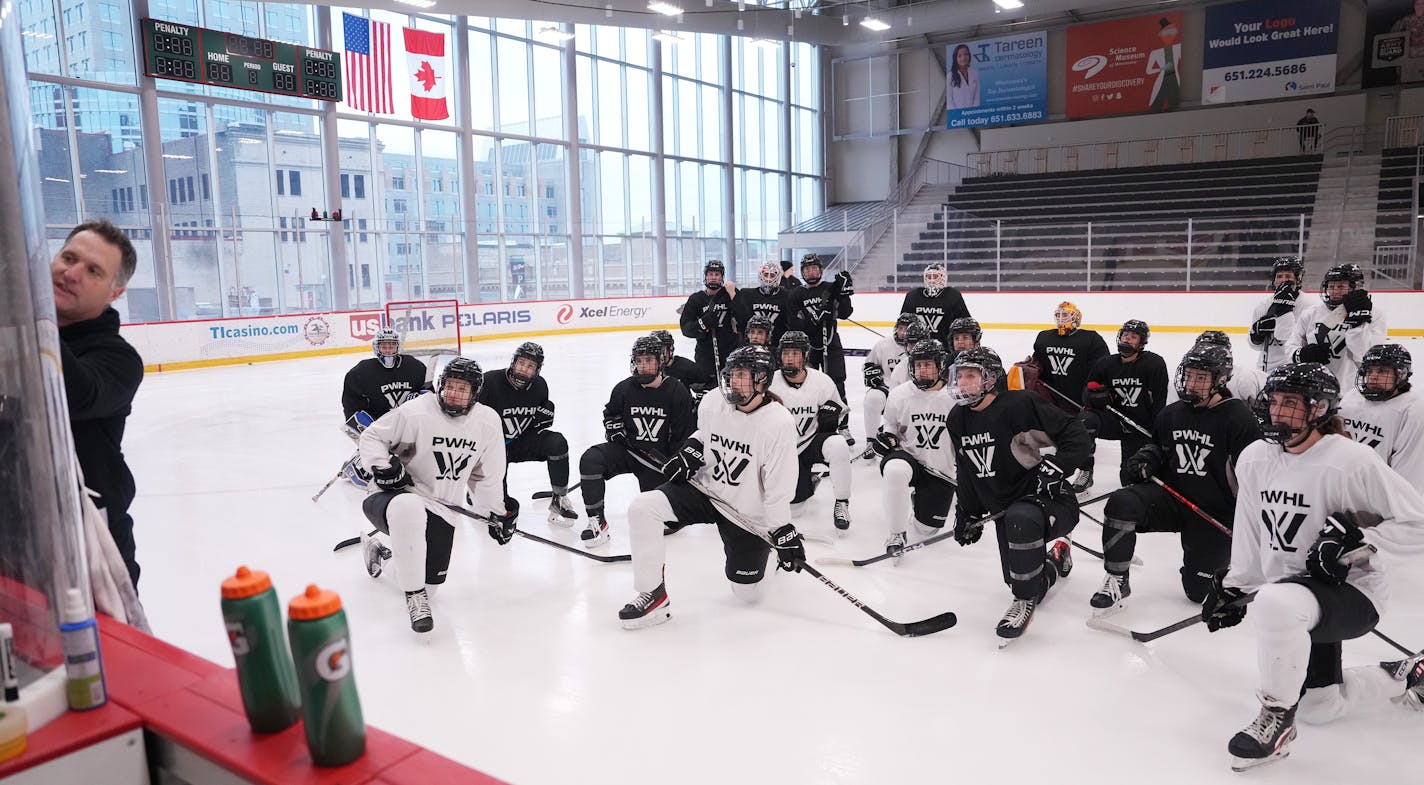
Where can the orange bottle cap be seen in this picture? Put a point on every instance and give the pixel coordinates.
(314, 603)
(246, 583)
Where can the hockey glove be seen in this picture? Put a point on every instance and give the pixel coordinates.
(875, 378)
(1315, 353)
(1284, 300)
(357, 423)
(884, 443)
(1262, 330)
(501, 527)
(391, 478)
(790, 548)
(1097, 396)
(844, 286)
(828, 417)
(968, 526)
(1225, 606)
(1143, 464)
(712, 317)
(685, 463)
(1340, 536)
(1052, 480)
(1358, 307)
(543, 420)
(614, 431)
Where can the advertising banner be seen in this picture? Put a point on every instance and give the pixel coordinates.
(1261, 49)
(1125, 66)
(1394, 42)
(997, 81)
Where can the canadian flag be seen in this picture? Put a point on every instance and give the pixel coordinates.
(425, 59)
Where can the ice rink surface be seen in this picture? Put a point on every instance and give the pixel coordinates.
(529, 677)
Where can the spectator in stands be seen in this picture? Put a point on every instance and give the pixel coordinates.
(1309, 132)
(963, 81)
(1166, 62)
(102, 371)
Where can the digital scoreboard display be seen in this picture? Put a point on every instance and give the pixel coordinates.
(195, 54)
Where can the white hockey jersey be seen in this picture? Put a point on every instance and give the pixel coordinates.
(1245, 383)
(918, 417)
(1316, 322)
(1284, 500)
(749, 460)
(888, 355)
(900, 374)
(1392, 428)
(445, 456)
(804, 400)
(1273, 351)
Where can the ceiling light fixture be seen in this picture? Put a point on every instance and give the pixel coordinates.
(417, 3)
(1009, 5)
(871, 23)
(667, 9)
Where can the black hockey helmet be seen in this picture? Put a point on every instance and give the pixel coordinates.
(928, 349)
(966, 324)
(1385, 355)
(646, 346)
(1138, 328)
(665, 340)
(387, 335)
(811, 260)
(460, 368)
(902, 324)
(793, 339)
(1291, 264)
(760, 322)
(991, 370)
(916, 332)
(1215, 338)
(1314, 383)
(530, 351)
(714, 266)
(755, 359)
(1350, 273)
(1212, 358)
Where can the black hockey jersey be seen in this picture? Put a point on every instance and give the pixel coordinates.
(721, 322)
(1202, 446)
(1139, 388)
(521, 412)
(660, 418)
(687, 372)
(1066, 360)
(938, 311)
(376, 389)
(997, 450)
(775, 305)
(815, 311)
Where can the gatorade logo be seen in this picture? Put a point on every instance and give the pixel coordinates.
(237, 638)
(565, 313)
(332, 662)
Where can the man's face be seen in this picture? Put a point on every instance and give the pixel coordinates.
(1198, 383)
(1380, 377)
(1289, 275)
(456, 392)
(961, 341)
(83, 275)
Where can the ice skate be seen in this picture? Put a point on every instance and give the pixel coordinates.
(1116, 588)
(375, 554)
(561, 511)
(1016, 620)
(841, 516)
(597, 532)
(647, 609)
(417, 603)
(1265, 740)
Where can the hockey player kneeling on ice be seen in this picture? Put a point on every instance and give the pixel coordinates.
(917, 461)
(378, 384)
(680, 368)
(1134, 382)
(744, 453)
(1384, 414)
(432, 453)
(1243, 382)
(648, 415)
(811, 397)
(998, 440)
(1337, 330)
(1321, 496)
(519, 395)
(1195, 445)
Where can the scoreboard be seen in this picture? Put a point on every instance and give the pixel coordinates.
(195, 54)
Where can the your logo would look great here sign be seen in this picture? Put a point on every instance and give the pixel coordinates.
(1261, 49)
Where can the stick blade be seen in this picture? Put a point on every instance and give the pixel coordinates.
(346, 543)
(835, 561)
(1103, 625)
(929, 626)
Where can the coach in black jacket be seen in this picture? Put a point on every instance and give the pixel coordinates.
(101, 370)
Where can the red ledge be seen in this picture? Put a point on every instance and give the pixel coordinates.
(72, 731)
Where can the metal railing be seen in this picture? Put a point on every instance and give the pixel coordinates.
(1404, 131)
(1162, 151)
(1395, 264)
(928, 171)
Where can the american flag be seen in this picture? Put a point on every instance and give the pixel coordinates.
(367, 61)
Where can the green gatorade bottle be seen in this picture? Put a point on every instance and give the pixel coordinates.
(321, 649)
(253, 617)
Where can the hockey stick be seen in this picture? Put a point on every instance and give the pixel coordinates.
(1110, 407)
(537, 538)
(909, 630)
(1193, 507)
(863, 327)
(347, 543)
(838, 561)
(1136, 562)
(1393, 643)
(337, 476)
(550, 494)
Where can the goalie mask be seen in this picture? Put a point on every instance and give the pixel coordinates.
(936, 278)
(1067, 318)
(769, 277)
(386, 346)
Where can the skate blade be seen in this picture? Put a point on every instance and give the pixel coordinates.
(601, 539)
(560, 521)
(663, 614)
(1103, 613)
(1246, 764)
(1005, 642)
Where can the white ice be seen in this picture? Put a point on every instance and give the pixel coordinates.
(529, 677)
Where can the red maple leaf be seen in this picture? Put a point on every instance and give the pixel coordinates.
(426, 75)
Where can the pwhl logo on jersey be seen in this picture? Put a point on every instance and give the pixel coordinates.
(929, 428)
(979, 447)
(730, 458)
(395, 392)
(1060, 359)
(1334, 337)
(1365, 433)
(1283, 513)
(648, 424)
(1129, 391)
(933, 317)
(1193, 448)
(517, 420)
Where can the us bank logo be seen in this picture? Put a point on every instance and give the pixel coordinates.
(565, 313)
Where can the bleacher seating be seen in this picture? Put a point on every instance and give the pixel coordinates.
(1395, 220)
(1243, 214)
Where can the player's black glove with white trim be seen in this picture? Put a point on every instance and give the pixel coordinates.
(875, 378)
(501, 527)
(1340, 536)
(1283, 302)
(685, 463)
(828, 417)
(543, 420)
(1315, 353)
(844, 286)
(615, 431)
(1052, 480)
(1262, 330)
(968, 526)
(1143, 464)
(393, 478)
(790, 548)
(1359, 308)
(1225, 606)
(884, 443)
